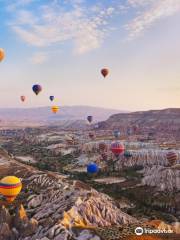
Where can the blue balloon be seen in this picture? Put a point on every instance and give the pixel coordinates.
(51, 98)
(117, 133)
(36, 88)
(92, 168)
(90, 119)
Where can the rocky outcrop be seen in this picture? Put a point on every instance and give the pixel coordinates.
(163, 178)
(53, 207)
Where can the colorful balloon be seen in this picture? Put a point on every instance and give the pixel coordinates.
(51, 98)
(55, 109)
(172, 158)
(127, 154)
(128, 131)
(135, 129)
(10, 187)
(90, 119)
(2, 54)
(92, 168)
(117, 133)
(102, 146)
(23, 98)
(104, 156)
(117, 148)
(91, 135)
(37, 89)
(104, 72)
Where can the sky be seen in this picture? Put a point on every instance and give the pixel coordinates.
(63, 45)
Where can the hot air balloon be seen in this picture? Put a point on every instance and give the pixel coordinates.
(104, 156)
(127, 154)
(37, 89)
(92, 168)
(117, 133)
(172, 158)
(23, 98)
(135, 129)
(10, 187)
(104, 72)
(117, 148)
(128, 131)
(102, 146)
(55, 109)
(91, 135)
(90, 119)
(51, 98)
(2, 54)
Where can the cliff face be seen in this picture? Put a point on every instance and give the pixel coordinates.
(163, 178)
(166, 121)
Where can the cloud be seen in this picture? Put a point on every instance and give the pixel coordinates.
(54, 24)
(39, 58)
(81, 23)
(149, 12)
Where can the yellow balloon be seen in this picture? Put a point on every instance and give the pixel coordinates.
(55, 109)
(10, 187)
(2, 54)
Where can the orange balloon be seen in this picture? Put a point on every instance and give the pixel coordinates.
(2, 54)
(55, 109)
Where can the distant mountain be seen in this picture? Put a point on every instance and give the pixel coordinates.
(43, 115)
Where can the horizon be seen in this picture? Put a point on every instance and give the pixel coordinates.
(88, 106)
(63, 46)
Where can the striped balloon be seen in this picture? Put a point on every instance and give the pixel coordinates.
(172, 158)
(10, 187)
(55, 109)
(117, 148)
(102, 146)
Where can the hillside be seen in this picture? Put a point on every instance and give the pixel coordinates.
(52, 207)
(155, 121)
(44, 116)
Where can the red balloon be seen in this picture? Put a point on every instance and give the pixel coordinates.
(172, 158)
(91, 135)
(23, 98)
(117, 148)
(104, 72)
(102, 146)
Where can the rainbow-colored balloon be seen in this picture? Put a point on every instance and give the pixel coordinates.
(10, 187)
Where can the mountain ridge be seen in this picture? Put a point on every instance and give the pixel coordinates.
(44, 116)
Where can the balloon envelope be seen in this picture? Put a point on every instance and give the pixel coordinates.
(51, 98)
(55, 109)
(90, 119)
(102, 146)
(10, 187)
(2, 54)
(128, 131)
(117, 133)
(127, 154)
(92, 168)
(37, 89)
(91, 135)
(23, 98)
(172, 158)
(104, 72)
(117, 148)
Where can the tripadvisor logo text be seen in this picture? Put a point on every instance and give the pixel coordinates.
(140, 231)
